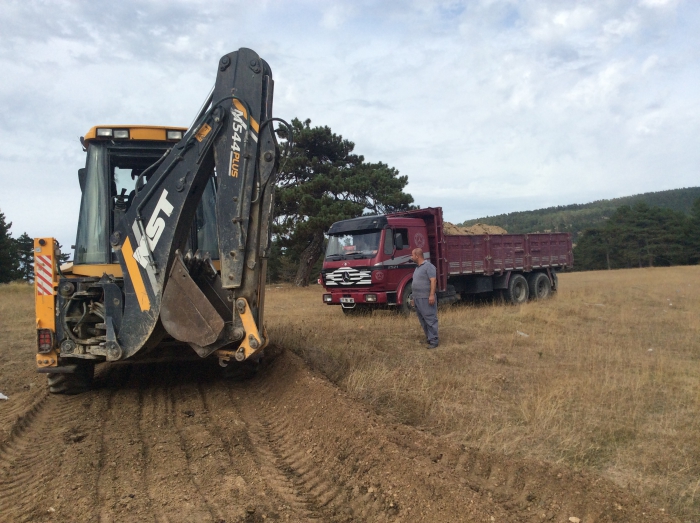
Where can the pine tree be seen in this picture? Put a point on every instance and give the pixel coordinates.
(25, 256)
(62, 257)
(321, 182)
(8, 253)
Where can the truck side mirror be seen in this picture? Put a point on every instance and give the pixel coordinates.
(82, 173)
(398, 241)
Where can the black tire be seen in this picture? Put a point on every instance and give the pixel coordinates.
(539, 285)
(358, 310)
(74, 383)
(405, 307)
(518, 290)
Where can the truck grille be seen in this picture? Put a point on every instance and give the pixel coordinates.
(346, 276)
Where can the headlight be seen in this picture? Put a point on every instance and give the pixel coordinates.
(104, 133)
(121, 133)
(174, 135)
(370, 297)
(327, 298)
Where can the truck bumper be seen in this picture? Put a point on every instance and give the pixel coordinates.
(349, 299)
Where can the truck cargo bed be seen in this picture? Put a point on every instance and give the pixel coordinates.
(492, 254)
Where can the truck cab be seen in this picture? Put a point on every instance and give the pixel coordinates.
(368, 261)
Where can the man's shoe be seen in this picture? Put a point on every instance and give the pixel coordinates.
(433, 345)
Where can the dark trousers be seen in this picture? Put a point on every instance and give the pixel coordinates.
(427, 316)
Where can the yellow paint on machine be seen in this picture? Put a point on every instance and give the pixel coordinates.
(132, 268)
(49, 359)
(202, 132)
(250, 329)
(45, 303)
(241, 108)
(112, 269)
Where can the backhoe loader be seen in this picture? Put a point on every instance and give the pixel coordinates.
(172, 240)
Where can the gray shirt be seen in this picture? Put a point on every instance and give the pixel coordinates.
(421, 279)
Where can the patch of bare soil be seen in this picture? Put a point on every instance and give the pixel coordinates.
(478, 228)
(181, 442)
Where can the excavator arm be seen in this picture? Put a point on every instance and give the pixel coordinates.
(169, 290)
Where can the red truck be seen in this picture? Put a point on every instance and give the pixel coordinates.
(368, 262)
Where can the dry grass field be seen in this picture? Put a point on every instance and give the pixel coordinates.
(604, 377)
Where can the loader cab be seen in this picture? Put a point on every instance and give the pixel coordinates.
(117, 167)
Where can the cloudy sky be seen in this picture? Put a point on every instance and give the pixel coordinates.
(489, 106)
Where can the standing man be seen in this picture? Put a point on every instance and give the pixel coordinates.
(424, 300)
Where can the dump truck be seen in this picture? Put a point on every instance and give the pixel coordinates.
(368, 263)
(172, 239)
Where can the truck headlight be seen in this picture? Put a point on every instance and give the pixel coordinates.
(327, 298)
(105, 133)
(121, 133)
(174, 135)
(370, 297)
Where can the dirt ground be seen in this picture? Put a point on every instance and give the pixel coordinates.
(185, 443)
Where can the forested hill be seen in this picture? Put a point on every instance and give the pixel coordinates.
(578, 217)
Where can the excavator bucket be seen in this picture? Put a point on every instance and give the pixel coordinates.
(186, 313)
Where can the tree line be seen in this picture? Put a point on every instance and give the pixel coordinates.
(576, 218)
(16, 254)
(641, 235)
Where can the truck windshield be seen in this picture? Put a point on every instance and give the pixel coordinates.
(360, 244)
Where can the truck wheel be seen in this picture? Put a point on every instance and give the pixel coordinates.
(517, 291)
(405, 307)
(539, 286)
(74, 383)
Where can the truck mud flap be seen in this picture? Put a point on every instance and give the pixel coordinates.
(186, 312)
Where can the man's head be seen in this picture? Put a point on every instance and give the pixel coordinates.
(417, 255)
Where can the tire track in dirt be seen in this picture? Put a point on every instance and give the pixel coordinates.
(538, 491)
(146, 467)
(226, 463)
(189, 436)
(324, 496)
(17, 415)
(22, 417)
(122, 481)
(329, 492)
(278, 478)
(350, 464)
(30, 459)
